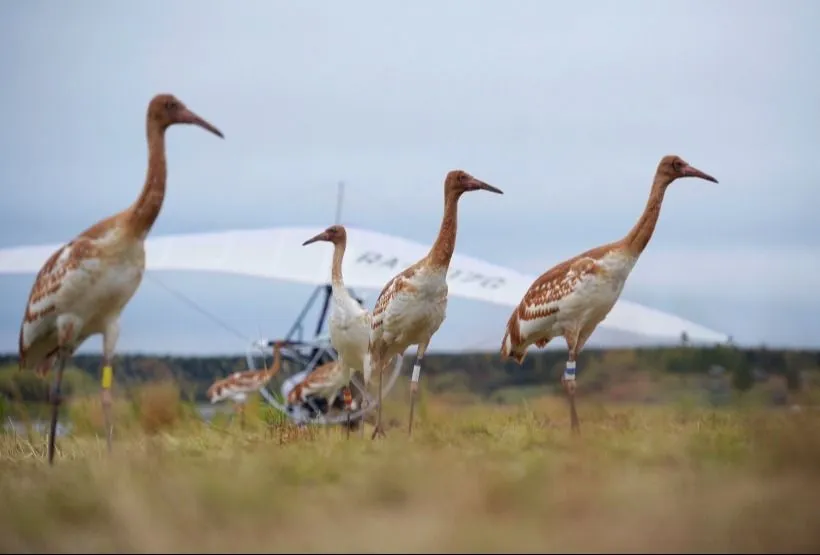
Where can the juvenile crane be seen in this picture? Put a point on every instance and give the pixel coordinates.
(412, 306)
(324, 382)
(572, 298)
(239, 385)
(349, 321)
(83, 287)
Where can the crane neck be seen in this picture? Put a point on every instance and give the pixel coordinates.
(640, 234)
(277, 362)
(336, 267)
(144, 212)
(442, 250)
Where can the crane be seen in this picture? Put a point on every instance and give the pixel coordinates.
(570, 299)
(412, 306)
(238, 385)
(82, 288)
(349, 320)
(324, 382)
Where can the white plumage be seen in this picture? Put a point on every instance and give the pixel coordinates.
(350, 332)
(411, 310)
(349, 321)
(80, 291)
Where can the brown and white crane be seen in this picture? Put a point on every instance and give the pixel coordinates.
(83, 287)
(325, 382)
(349, 321)
(572, 298)
(239, 385)
(412, 306)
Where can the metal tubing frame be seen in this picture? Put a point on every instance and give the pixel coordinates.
(320, 353)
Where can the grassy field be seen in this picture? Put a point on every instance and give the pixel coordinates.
(476, 478)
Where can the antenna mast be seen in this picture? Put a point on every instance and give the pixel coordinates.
(340, 193)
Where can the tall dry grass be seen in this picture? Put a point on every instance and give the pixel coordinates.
(474, 478)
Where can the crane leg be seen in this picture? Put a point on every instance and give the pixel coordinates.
(240, 409)
(363, 403)
(378, 431)
(367, 372)
(56, 400)
(110, 336)
(347, 402)
(67, 326)
(361, 417)
(568, 381)
(414, 384)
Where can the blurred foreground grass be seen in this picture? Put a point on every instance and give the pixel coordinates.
(476, 478)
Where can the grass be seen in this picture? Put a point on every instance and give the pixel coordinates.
(474, 478)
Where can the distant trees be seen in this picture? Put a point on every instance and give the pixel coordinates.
(477, 374)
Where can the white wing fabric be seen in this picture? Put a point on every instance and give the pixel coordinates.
(371, 259)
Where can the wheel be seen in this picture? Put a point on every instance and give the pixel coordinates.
(298, 360)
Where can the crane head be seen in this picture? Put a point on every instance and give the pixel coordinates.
(295, 395)
(459, 181)
(165, 110)
(672, 167)
(335, 234)
(216, 392)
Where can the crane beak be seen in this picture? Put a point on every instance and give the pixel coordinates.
(478, 184)
(187, 116)
(320, 237)
(690, 171)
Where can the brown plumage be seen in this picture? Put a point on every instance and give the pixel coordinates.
(83, 287)
(325, 381)
(572, 298)
(238, 385)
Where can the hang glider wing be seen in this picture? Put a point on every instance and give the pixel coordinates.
(371, 259)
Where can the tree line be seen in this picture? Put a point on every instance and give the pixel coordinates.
(481, 374)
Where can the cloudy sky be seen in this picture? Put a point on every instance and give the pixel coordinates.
(566, 106)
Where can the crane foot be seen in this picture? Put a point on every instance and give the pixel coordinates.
(378, 431)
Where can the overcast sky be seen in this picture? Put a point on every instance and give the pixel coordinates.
(566, 106)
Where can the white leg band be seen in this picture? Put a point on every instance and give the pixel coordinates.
(416, 371)
(569, 373)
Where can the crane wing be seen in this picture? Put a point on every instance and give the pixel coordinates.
(238, 382)
(542, 301)
(545, 294)
(318, 380)
(58, 283)
(399, 283)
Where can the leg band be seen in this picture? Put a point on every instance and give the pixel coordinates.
(416, 372)
(569, 373)
(107, 376)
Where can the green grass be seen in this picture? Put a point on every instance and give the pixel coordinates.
(473, 478)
